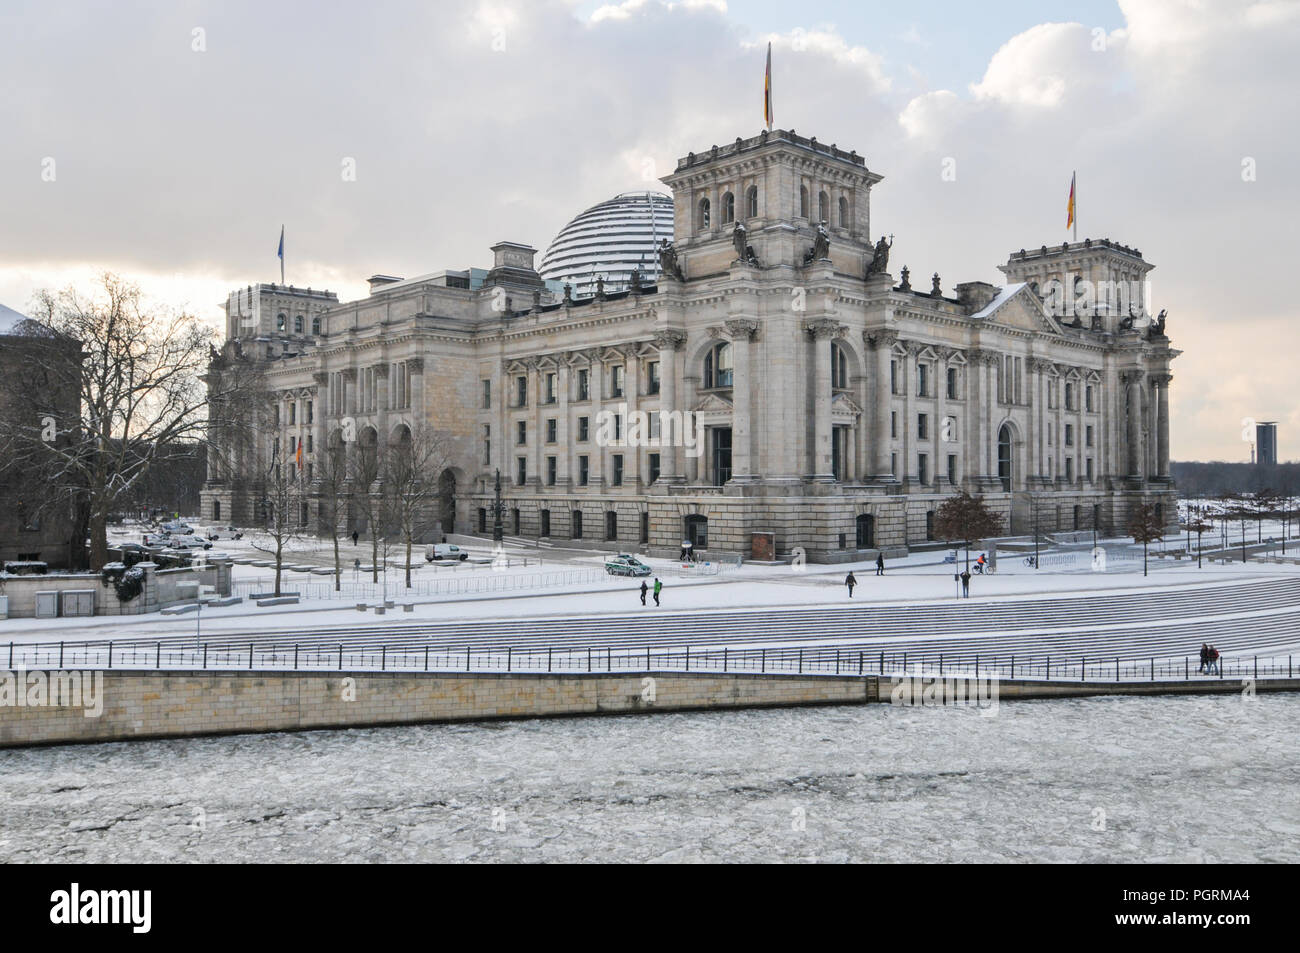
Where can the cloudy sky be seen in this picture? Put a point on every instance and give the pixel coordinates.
(169, 142)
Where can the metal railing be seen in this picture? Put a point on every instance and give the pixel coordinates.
(319, 656)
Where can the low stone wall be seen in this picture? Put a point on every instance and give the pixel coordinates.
(178, 704)
(141, 704)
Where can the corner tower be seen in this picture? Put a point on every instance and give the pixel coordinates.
(778, 186)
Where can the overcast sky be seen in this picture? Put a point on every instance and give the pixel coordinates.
(169, 142)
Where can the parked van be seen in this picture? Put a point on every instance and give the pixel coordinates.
(440, 551)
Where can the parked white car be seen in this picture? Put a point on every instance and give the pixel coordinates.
(440, 551)
(189, 542)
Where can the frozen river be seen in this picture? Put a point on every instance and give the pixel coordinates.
(1133, 780)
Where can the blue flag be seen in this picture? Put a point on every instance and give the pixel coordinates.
(280, 254)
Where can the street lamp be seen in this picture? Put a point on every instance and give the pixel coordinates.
(497, 509)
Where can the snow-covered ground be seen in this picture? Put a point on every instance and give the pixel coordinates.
(919, 577)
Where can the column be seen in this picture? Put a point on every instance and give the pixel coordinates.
(668, 343)
(881, 342)
(1162, 426)
(538, 413)
(942, 447)
(1133, 388)
(381, 402)
(318, 430)
(742, 331)
(632, 449)
(822, 331)
(415, 367)
(564, 452)
(597, 453)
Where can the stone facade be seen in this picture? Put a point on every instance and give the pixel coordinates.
(836, 406)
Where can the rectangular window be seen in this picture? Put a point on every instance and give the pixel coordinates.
(618, 427)
(652, 375)
(552, 426)
(487, 394)
(1087, 435)
(487, 444)
(654, 468)
(618, 469)
(645, 527)
(521, 471)
(616, 380)
(577, 524)
(584, 429)
(1088, 466)
(584, 383)
(952, 383)
(546, 524)
(923, 380)
(275, 414)
(922, 427)
(550, 388)
(583, 470)
(952, 468)
(310, 443)
(611, 525)
(1069, 469)
(550, 471)
(521, 432)
(311, 413)
(1087, 398)
(893, 377)
(893, 423)
(1069, 435)
(893, 464)
(521, 391)
(922, 468)
(293, 413)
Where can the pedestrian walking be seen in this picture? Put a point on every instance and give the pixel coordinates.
(1216, 663)
(644, 590)
(1205, 659)
(850, 580)
(659, 587)
(355, 537)
(880, 564)
(965, 583)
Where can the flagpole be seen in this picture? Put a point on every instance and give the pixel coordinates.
(1074, 177)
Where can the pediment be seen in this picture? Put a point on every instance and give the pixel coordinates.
(713, 404)
(1016, 306)
(844, 405)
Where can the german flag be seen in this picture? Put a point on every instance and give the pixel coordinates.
(767, 90)
(298, 455)
(1069, 208)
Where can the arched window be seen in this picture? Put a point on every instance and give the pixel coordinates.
(844, 212)
(297, 324)
(281, 322)
(803, 202)
(751, 202)
(315, 325)
(703, 218)
(728, 209)
(839, 366)
(1004, 457)
(718, 366)
(823, 207)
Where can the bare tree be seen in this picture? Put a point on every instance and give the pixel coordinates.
(964, 518)
(1146, 526)
(283, 494)
(415, 461)
(332, 493)
(366, 469)
(140, 391)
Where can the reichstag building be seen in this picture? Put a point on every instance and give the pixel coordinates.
(737, 361)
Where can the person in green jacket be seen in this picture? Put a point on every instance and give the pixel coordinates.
(659, 586)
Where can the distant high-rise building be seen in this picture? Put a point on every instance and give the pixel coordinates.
(1266, 442)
